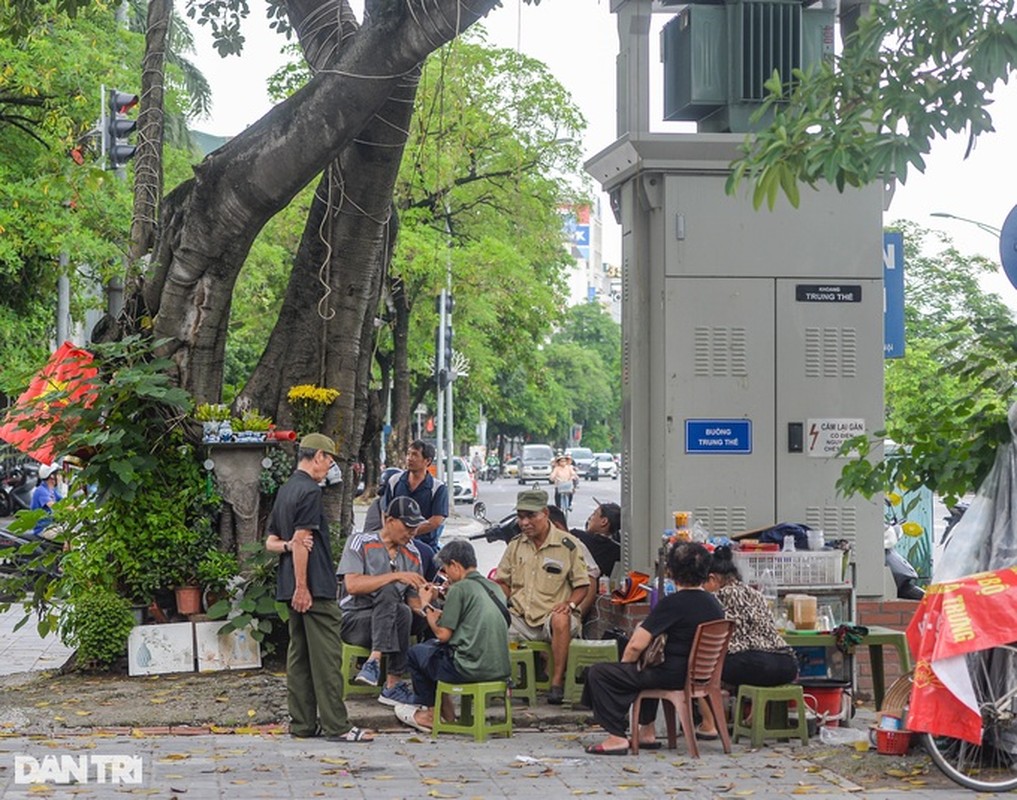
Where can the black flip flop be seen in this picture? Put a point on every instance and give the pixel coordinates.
(654, 745)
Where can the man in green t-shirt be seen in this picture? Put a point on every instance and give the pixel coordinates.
(470, 630)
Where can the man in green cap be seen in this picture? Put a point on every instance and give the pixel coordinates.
(545, 579)
(298, 532)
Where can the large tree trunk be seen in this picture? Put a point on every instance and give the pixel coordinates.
(325, 332)
(401, 411)
(151, 119)
(209, 223)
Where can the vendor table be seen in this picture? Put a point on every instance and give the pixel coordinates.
(876, 639)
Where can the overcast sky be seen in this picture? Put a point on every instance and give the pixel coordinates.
(577, 39)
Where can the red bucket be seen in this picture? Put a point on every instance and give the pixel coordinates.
(826, 701)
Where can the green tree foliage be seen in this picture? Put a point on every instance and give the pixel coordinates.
(914, 71)
(946, 400)
(492, 150)
(585, 358)
(49, 203)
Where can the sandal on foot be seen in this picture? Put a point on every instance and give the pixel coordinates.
(354, 734)
(654, 745)
(600, 750)
(706, 737)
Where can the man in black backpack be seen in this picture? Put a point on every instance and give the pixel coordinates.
(417, 482)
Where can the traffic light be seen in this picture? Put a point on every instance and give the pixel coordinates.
(118, 127)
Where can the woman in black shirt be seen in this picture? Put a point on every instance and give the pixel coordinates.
(611, 688)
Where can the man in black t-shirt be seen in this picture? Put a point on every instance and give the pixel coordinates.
(601, 536)
(298, 531)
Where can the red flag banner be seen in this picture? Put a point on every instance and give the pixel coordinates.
(68, 377)
(973, 613)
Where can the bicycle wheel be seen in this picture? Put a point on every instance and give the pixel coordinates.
(991, 766)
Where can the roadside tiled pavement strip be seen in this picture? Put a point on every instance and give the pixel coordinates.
(406, 765)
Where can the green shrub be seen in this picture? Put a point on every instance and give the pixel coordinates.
(97, 624)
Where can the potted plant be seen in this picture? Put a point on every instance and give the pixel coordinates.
(251, 426)
(211, 416)
(309, 404)
(216, 571)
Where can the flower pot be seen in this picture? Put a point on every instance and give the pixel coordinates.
(188, 600)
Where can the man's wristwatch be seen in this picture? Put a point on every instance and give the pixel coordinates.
(287, 547)
(573, 606)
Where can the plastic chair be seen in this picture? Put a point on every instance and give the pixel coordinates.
(706, 660)
(524, 676)
(769, 706)
(474, 699)
(543, 684)
(585, 653)
(349, 665)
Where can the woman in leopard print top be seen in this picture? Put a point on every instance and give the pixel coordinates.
(757, 654)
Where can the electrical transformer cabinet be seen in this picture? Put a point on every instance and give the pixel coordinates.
(753, 348)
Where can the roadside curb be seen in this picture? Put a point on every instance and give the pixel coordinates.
(365, 713)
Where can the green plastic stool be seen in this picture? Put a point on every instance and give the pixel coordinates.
(543, 684)
(770, 721)
(474, 699)
(585, 653)
(524, 676)
(349, 665)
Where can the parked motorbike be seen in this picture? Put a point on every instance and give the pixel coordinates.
(16, 487)
(18, 560)
(505, 530)
(905, 577)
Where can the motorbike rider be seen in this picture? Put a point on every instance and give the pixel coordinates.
(492, 467)
(46, 494)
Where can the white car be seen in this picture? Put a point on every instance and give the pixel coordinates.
(604, 466)
(463, 483)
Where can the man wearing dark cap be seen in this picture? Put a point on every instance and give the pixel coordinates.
(381, 574)
(298, 532)
(545, 579)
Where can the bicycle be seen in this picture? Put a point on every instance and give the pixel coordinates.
(991, 766)
(563, 496)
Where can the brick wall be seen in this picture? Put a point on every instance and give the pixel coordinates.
(895, 614)
(605, 615)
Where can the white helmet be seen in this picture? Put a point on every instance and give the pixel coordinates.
(47, 470)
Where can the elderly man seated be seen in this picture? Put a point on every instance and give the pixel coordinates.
(381, 574)
(545, 579)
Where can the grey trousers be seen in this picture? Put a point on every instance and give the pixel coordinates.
(384, 627)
